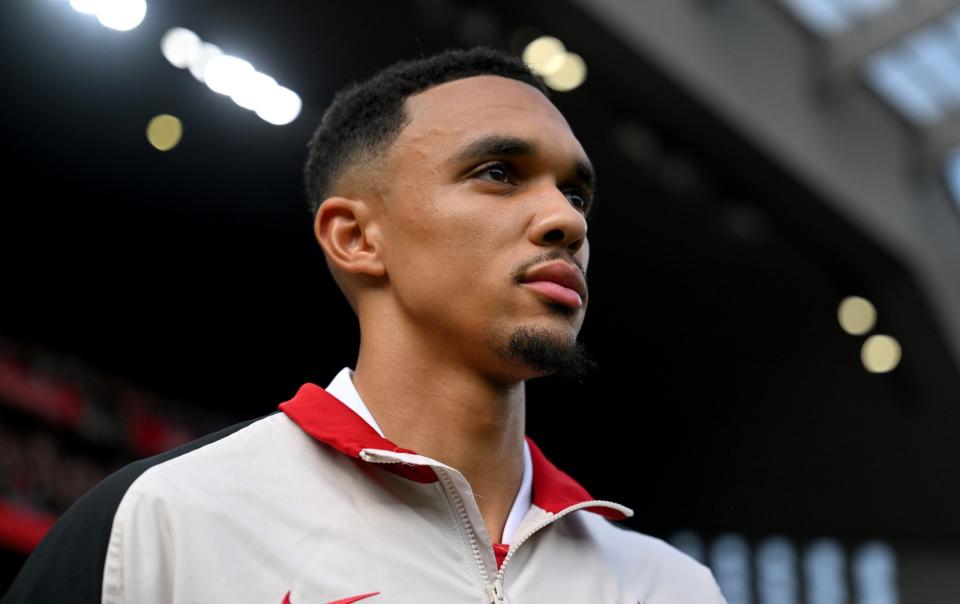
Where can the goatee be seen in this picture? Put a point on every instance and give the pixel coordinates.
(543, 351)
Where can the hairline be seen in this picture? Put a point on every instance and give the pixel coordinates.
(363, 157)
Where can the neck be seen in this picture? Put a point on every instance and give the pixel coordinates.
(424, 400)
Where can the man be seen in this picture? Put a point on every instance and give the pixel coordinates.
(450, 199)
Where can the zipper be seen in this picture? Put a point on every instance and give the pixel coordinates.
(494, 591)
(546, 522)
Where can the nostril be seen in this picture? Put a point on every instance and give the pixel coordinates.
(554, 235)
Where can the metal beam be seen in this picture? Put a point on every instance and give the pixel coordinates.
(940, 139)
(845, 54)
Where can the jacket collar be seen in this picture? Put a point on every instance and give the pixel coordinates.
(327, 419)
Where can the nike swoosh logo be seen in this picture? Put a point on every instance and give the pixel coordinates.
(355, 598)
(350, 600)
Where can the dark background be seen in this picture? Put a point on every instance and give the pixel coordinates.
(728, 397)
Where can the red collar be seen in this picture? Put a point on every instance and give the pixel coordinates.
(327, 419)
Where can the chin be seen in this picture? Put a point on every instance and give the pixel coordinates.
(537, 351)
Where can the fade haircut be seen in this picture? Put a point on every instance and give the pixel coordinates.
(365, 118)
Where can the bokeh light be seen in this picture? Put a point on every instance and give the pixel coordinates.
(881, 354)
(857, 315)
(164, 132)
(548, 58)
(121, 15)
(87, 7)
(542, 54)
(281, 106)
(179, 45)
(568, 74)
(253, 91)
(225, 74)
(197, 63)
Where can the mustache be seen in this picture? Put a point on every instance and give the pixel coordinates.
(555, 254)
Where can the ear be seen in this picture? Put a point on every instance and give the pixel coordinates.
(349, 237)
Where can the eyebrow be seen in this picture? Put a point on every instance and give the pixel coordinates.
(510, 146)
(495, 145)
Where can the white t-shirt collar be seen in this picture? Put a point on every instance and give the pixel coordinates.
(343, 389)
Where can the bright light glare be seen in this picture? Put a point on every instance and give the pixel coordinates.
(164, 132)
(179, 45)
(231, 76)
(540, 54)
(198, 61)
(225, 74)
(857, 315)
(121, 15)
(571, 72)
(281, 107)
(880, 354)
(87, 7)
(253, 91)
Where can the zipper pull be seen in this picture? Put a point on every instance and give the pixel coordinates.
(495, 593)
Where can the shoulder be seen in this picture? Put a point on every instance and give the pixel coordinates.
(68, 565)
(227, 455)
(651, 564)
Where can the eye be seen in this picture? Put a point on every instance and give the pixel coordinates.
(579, 198)
(496, 172)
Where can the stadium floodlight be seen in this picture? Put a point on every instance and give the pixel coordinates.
(254, 90)
(231, 76)
(87, 7)
(180, 46)
(198, 61)
(281, 107)
(121, 15)
(225, 74)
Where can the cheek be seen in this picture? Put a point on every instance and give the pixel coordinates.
(457, 276)
(448, 248)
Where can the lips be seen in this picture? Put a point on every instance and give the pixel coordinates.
(560, 281)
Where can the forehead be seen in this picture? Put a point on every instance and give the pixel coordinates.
(447, 116)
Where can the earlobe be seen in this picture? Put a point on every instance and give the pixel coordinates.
(345, 230)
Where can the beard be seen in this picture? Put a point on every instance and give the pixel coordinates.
(542, 350)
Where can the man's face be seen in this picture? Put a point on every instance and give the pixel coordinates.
(484, 218)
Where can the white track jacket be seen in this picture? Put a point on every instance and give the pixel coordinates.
(311, 505)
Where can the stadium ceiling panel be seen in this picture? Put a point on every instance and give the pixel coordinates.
(908, 53)
(830, 17)
(859, 99)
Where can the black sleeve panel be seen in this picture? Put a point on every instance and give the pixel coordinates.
(67, 565)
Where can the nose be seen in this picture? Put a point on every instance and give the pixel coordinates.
(558, 223)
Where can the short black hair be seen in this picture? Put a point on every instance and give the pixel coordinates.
(365, 117)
